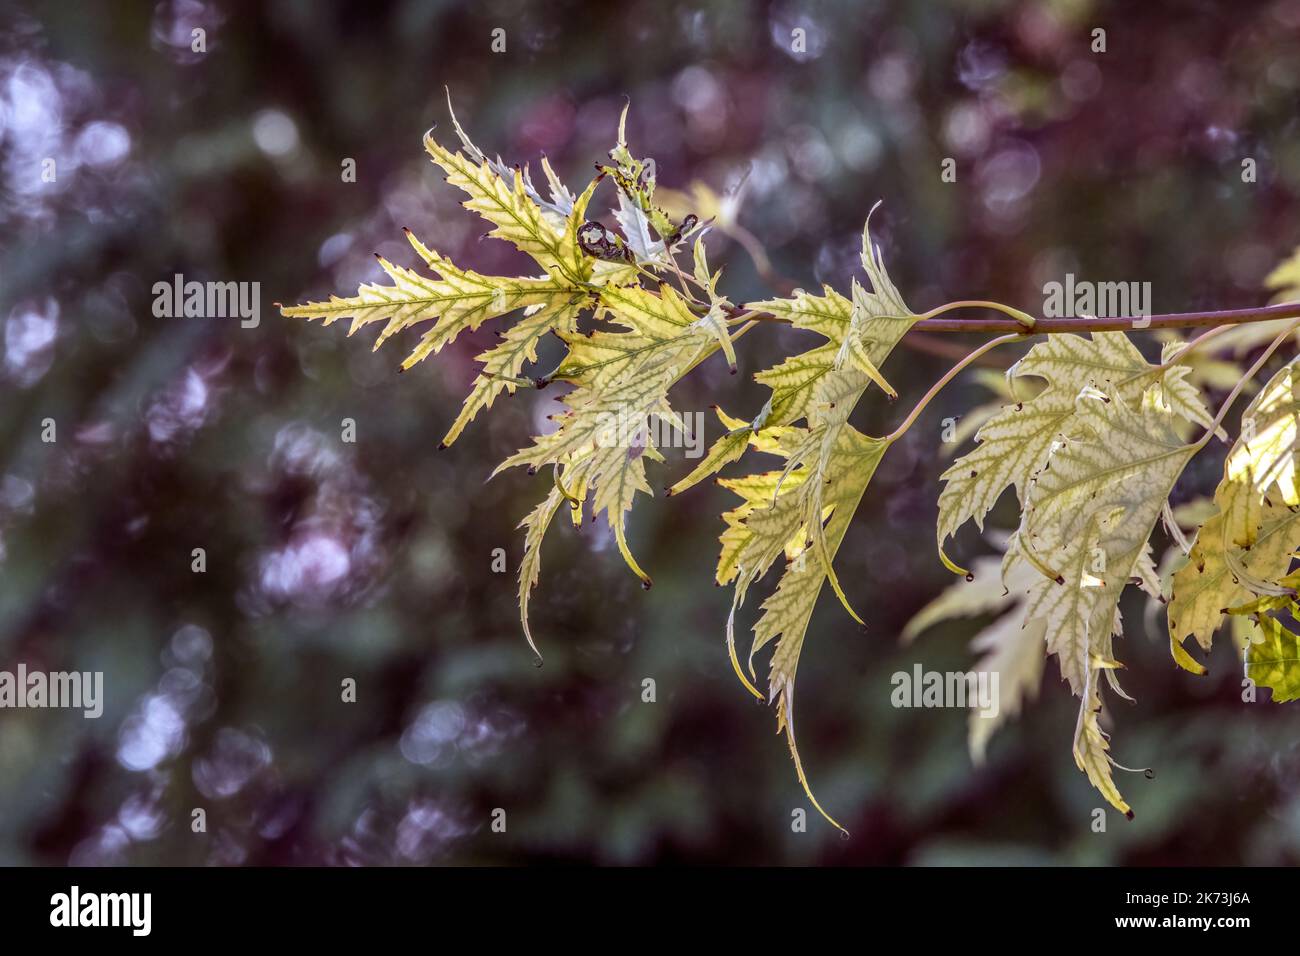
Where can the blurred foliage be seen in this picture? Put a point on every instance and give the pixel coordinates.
(328, 560)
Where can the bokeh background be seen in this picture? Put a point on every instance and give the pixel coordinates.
(372, 560)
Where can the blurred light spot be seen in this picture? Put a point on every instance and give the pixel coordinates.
(331, 544)
(279, 817)
(1222, 142)
(103, 144)
(310, 565)
(16, 494)
(892, 77)
(275, 133)
(106, 848)
(301, 450)
(769, 172)
(235, 759)
(696, 90)
(181, 409)
(694, 25)
(33, 116)
(432, 736)
(334, 248)
(783, 24)
(141, 817)
(190, 646)
(29, 342)
(174, 23)
(151, 735)
(858, 146)
(980, 65)
(810, 156)
(96, 433)
(1007, 177)
(424, 831)
(966, 129)
(702, 97)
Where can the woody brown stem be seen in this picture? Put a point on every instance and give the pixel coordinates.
(1001, 326)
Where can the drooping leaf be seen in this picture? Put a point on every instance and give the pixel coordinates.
(620, 401)
(1012, 649)
(530, 568)
(759, 531)
(1273, 657)
(1092, 744)
(1088, 518)
(1213, 579)
(1246, 546)
(1263, 459)
(804, 509)
(1013, 446)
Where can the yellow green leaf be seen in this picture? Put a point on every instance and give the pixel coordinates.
(1273, 657)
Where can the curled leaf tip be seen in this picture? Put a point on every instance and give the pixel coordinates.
(951, 565)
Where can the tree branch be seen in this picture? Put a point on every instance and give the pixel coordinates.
(1173, 320)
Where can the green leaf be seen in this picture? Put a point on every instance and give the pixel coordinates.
(621, 401)
(459, 300)
(1092, 744)
(1247, 545)
(806, 507)
(1013, 446)
(1273, 657)
(1263, 460)
(1088, 518)
(516, 216)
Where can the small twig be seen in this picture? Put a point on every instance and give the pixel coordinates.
(937, 387)
(1250, 374)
